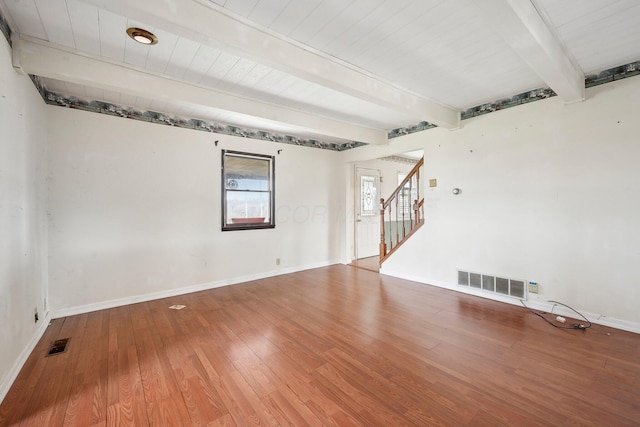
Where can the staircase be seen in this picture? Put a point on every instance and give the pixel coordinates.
(402, 213)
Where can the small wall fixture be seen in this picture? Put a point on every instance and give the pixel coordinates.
(456, 191)
(142, 36)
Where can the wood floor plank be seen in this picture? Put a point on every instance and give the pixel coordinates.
(88, 394)
(405, 394)
(154, 383)
(74, 328)
(44, 401)
(224, 421)
(259, 377)
(333, 346)
(197, 392)
(243, 404)
(14, 407)
(373, 410)
(326, 409)
(287, 410)
(170, 411)
(126, 396)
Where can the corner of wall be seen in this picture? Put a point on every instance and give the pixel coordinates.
(5, 386)
(23, 219)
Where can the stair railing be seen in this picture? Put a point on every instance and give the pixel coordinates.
(402, 213)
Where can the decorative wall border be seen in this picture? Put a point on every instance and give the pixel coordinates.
(53, 98)
(5, 28)
(501, 104)
(607, 76)
(411, 129)
(612, 74)
(400, 159)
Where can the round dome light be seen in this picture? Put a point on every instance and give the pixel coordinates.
(142, 36)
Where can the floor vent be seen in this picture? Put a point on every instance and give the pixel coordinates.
(495, 284)
(58, 347)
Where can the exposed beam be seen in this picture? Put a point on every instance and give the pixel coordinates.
(198, 20)
(43, 59)
(523, 28)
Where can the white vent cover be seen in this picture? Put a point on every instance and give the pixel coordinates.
(494, 284)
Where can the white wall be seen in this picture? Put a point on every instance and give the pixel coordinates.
(135, 211)
(23, 257)
(549, 194)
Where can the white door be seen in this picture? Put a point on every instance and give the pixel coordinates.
(367, 211)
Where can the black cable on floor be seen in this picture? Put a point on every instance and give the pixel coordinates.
(572, 326)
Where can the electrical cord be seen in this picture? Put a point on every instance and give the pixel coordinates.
(572, 326)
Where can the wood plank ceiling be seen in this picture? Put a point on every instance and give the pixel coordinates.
(328, 70)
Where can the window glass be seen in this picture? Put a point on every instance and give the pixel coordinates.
(247, 191)
(368, 192)
(407, 195)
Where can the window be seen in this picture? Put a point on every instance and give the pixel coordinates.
(406, 196)
(247, 191)
(369, 203)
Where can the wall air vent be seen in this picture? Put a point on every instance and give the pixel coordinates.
(494, 284)
(488, 283)
(463, 278)
(516, 288)
(475, 280)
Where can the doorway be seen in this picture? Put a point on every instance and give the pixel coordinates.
(367, 216)
(373, 179)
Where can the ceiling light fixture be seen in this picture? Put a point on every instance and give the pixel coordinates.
(142, 36)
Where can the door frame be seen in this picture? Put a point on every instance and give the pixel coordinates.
(356, 204)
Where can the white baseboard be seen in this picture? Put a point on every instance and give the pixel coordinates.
(102, 305)
(24, 355)
(612, 322)
(598, 319)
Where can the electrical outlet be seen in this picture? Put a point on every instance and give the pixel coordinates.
(277, 261)
(533, 288)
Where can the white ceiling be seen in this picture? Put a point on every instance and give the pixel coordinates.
(331, 70)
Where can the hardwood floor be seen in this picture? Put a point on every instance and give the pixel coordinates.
(369, 263)
(336, 346)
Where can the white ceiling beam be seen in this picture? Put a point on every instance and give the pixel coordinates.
(522, 27)
(199, 21)
(45, 60)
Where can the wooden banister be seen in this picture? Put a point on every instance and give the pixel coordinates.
(401, 213)
(414, 171)
(383, 244)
